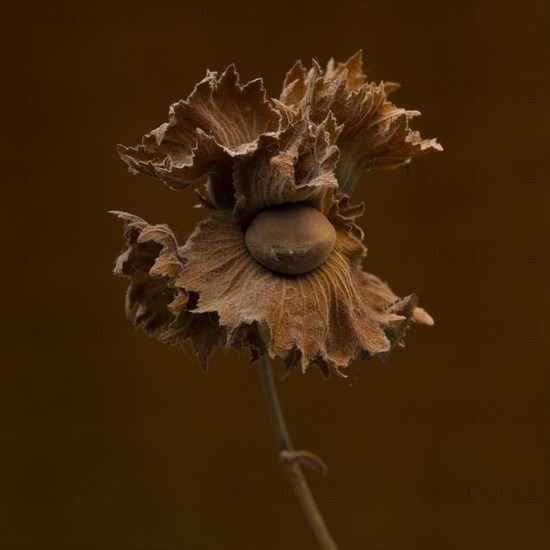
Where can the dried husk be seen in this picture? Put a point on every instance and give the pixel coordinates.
(309, 147)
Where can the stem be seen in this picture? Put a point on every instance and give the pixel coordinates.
(293, 470)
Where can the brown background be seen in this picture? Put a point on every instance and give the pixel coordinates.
(111, 440)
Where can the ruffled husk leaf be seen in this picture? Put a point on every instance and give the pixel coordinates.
(223, 121)
(214, 293)
(375, 134)
(219, 122)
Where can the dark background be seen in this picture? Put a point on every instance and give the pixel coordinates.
(111, 440)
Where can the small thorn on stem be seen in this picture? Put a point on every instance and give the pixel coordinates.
(306, 458)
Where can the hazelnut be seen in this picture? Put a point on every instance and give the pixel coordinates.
(290, 238)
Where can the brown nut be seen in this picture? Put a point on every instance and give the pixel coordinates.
(290, 238)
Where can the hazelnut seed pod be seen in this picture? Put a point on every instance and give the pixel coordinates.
(290, 238)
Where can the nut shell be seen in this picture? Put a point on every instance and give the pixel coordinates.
(291, 239)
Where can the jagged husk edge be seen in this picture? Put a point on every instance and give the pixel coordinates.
(375, 133)
(224, 126)
(212, 292)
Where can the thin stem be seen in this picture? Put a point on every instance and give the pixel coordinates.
(293, 470)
